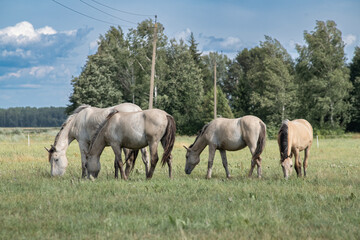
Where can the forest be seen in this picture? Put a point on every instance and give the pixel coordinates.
(32, 117)
(320, 85)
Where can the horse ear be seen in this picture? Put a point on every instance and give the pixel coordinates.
(186, 147)
(53, 148)
(47, 149)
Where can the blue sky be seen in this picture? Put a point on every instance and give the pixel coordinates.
(43, 45)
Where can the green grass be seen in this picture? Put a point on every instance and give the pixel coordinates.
(33, 205)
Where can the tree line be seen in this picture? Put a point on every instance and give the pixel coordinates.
(32, 117)
(319, 85)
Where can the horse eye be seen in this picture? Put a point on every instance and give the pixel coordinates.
(56, 160)
(291, 165)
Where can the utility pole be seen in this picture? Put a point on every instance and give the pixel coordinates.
(215, 87)
(153, 66)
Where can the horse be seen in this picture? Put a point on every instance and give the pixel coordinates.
(294, 136)
(135, 131)
(82, 125)
(231, 135)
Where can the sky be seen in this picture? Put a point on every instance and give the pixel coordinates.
(44, 44)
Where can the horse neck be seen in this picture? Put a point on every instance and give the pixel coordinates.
(97, 145)
(199, 144)
(64, 138)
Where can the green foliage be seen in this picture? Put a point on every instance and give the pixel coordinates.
(354, 125)
(262, 81)
(223, 108)
(32, 117)
(323, 77)
(181, 92)
(274, 89)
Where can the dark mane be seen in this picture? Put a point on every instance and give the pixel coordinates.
(101, 127)
(68, 120)
(199, 134)
(283, 139)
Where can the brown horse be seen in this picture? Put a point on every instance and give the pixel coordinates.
(294, 136)
(228, 134)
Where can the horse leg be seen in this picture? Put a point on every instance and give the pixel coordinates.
(258, 163)
(119, 163)
(154, 159)
(116, 167)
(130, 158)
(83, 150)
(224, 162)
(170, 167)
(212, 150)
(297, 163)
(305, 163)
(145, 160)
(254, 161)
(169, 160)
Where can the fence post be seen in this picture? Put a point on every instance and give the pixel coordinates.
(317, 141)
(28, 140)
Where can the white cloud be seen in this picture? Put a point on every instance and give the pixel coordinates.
(231, 42)
(184, 35)
(349, 39)
(22, 46)
(23, 33)
(40, 72)
(29, 86)
(94, 45)
(37, 72)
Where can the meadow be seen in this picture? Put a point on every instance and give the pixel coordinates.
(33, 205)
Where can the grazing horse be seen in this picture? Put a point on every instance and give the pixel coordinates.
(228, 134)
(294, 136)
(82, 125)
(135, 131)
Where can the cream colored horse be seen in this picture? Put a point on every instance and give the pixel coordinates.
(134, 131)
(82, 125)
(294, 137)
(228, 134)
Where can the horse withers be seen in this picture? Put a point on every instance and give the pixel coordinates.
(134, 131)
(293, 137)
(231, 135)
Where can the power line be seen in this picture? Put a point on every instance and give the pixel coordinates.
(136, 14)
(106, 12)
(83, 14)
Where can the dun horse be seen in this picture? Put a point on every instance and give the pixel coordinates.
(228, 134)
(133, 130)
(82, 125)
(294, 136)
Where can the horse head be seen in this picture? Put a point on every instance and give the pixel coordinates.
(58, 161)
(92, 165)
(192, 159)
(286, 164)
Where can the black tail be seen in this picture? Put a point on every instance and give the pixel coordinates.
(261, 141)
(168, 139)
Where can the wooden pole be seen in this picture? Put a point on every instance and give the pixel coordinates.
(153, 67)
(215, 114)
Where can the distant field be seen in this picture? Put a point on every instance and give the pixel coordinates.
(325, 205)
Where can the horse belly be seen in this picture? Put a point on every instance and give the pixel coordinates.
(134, 141)
(233, 144)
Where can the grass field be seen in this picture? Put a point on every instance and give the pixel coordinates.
(325, 205)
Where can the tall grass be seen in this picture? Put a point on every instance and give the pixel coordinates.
(324, 205)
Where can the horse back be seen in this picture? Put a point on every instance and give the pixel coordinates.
(300, 134)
